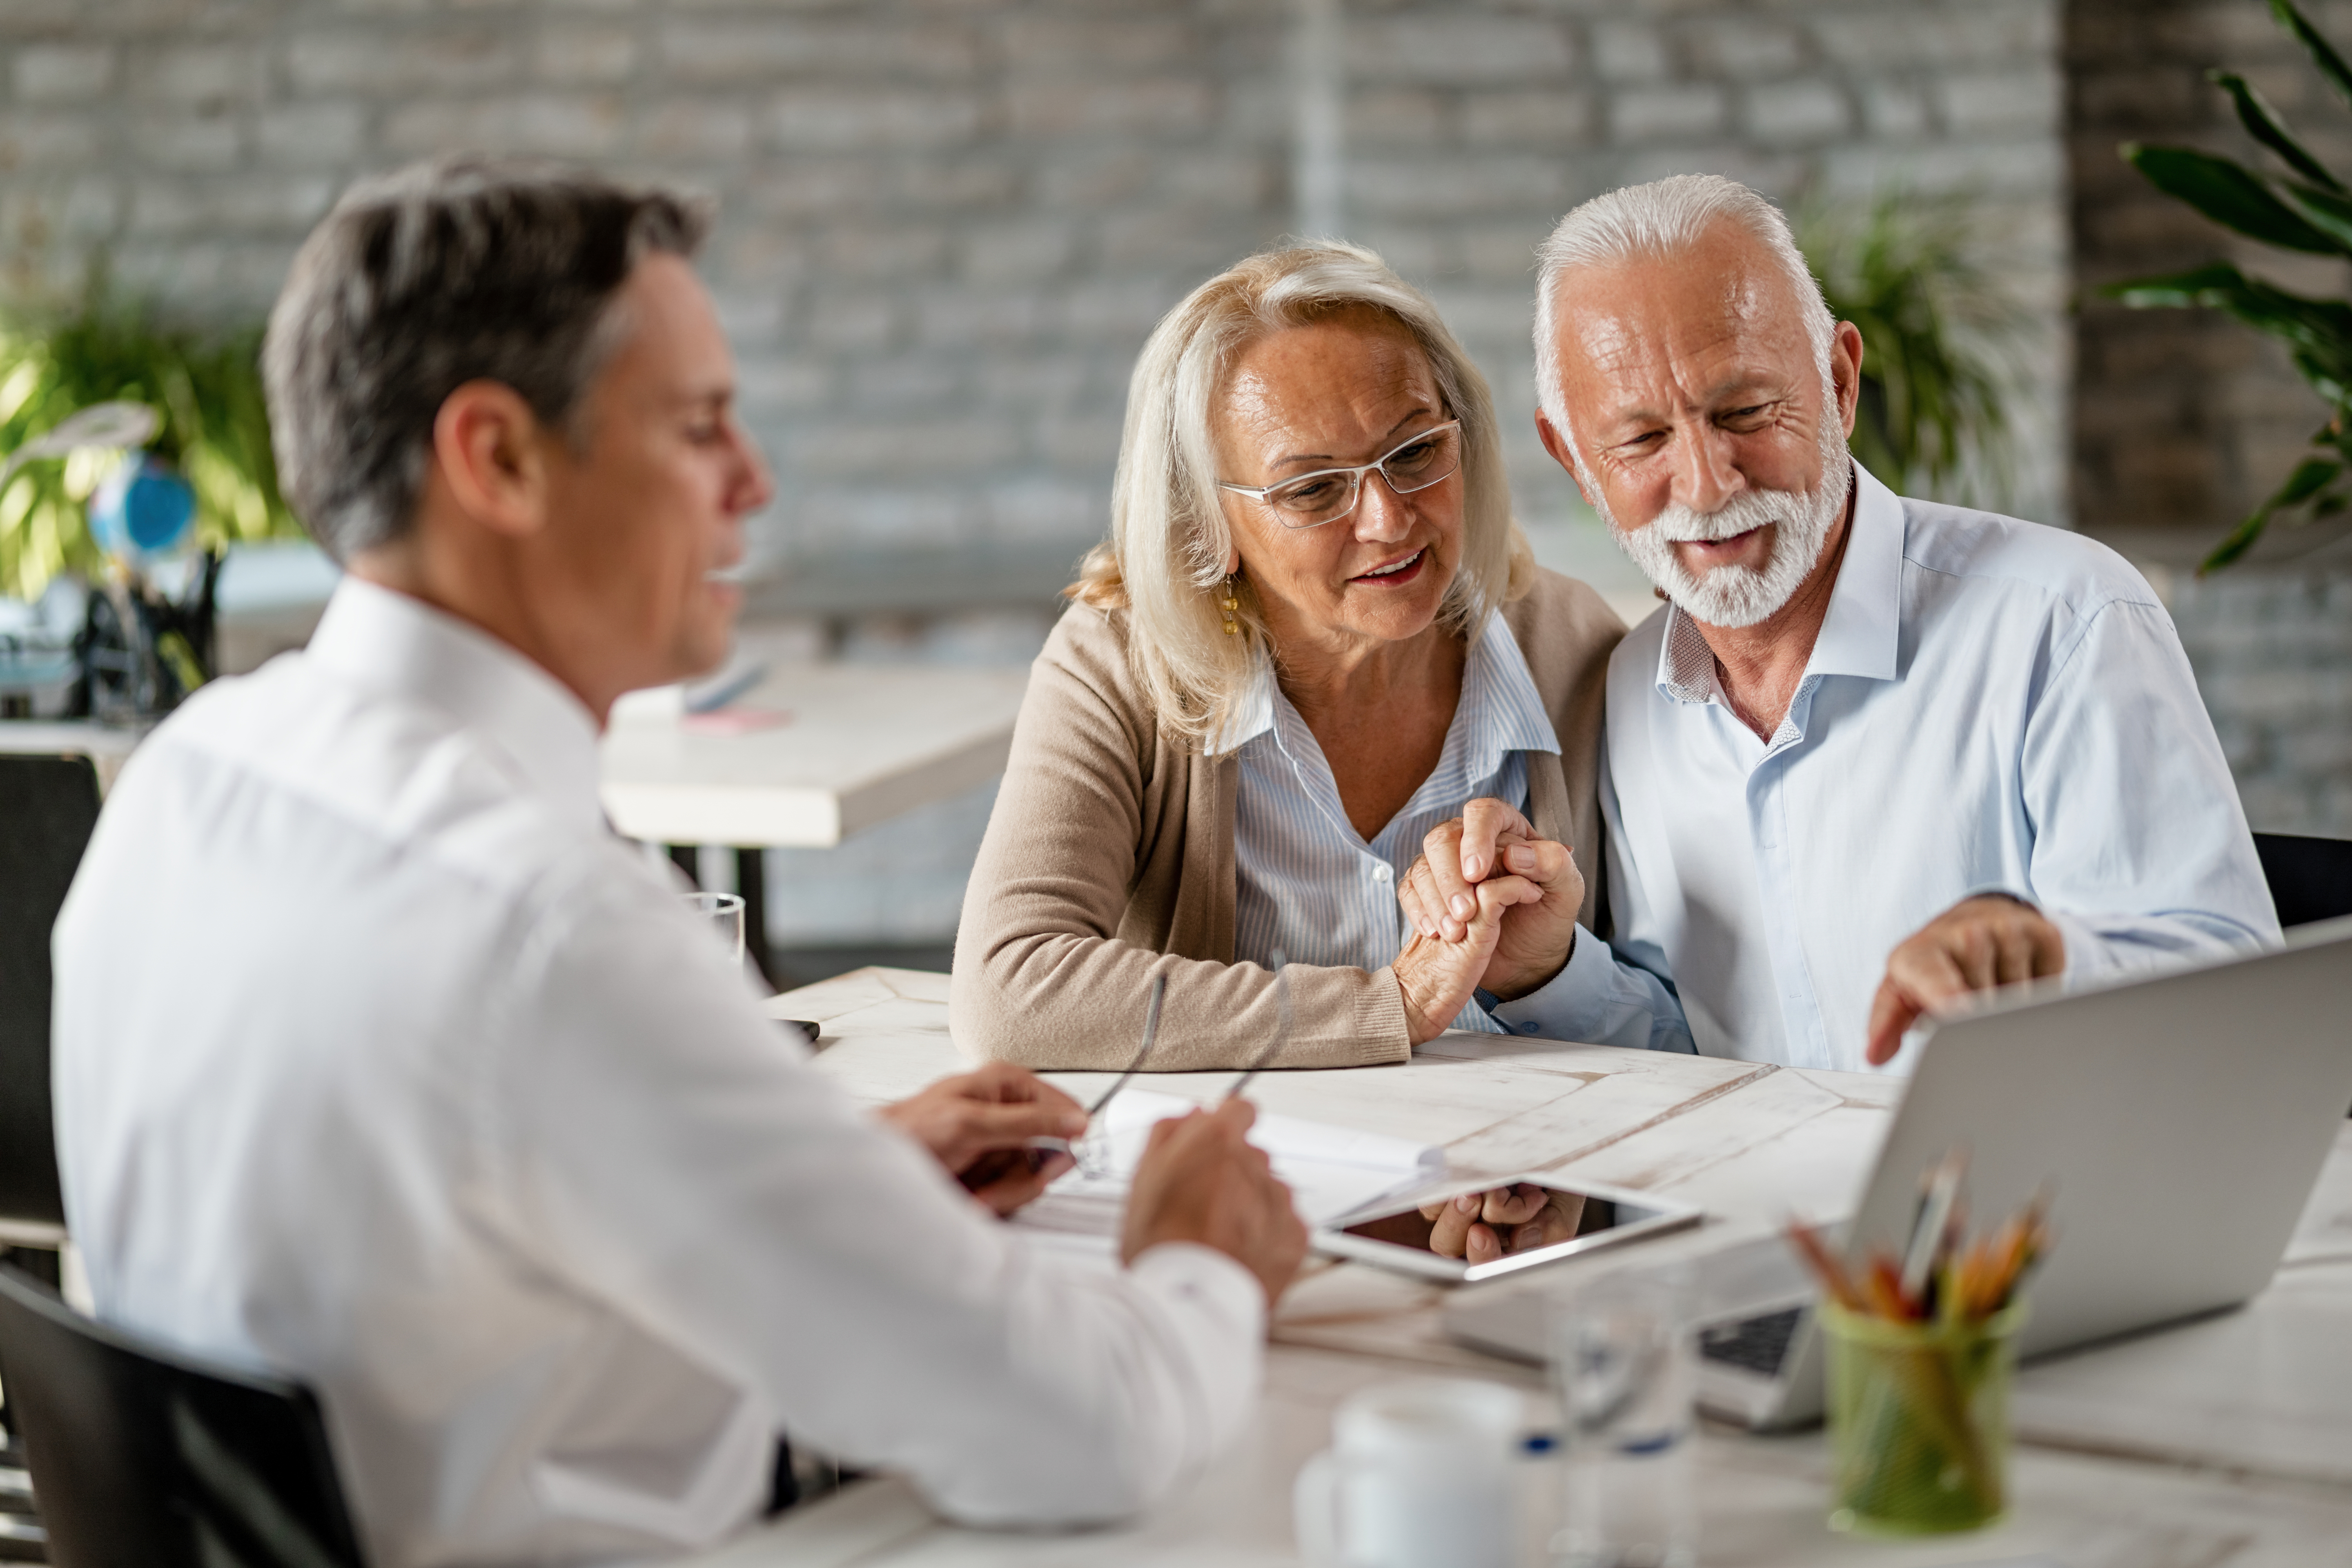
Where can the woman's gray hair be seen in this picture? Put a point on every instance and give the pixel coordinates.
(1655, 223)
(419, 281)
(1170, 538)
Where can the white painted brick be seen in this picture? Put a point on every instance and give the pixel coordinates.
(1894, 111)
(1021, 251)
(1159, 106)
(1555, 117)
(1665, 114)
(1463, 49)
(1628, 51)
(854, 322)
(1397, 116)
(545, 125)
(191, 141)
(201, 75)
(1453, 187)
(581, 53)
(443, 61)
(852, 118)
(1121, 44)
(1795, 113)
(968, 317)
(46, 139)
(765, 49)
(309, 135)
(1220, 180)
(234, 205)
(61, 73)
(2009, 102)
(868, 250)
(902, 450)
(1743, 49)
(694, 129)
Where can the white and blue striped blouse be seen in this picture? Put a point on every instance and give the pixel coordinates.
(1307, 882)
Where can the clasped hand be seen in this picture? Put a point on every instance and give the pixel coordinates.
(1492, 905)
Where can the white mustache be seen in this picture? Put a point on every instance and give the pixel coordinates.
(1746, 511)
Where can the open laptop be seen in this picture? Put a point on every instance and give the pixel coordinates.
(2178, 1122)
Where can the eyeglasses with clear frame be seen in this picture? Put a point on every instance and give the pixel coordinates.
(1310, 501)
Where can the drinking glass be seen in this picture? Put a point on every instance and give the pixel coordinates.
(1624, 1356)
(724, 913)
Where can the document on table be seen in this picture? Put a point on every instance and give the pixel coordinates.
(1332, 1171)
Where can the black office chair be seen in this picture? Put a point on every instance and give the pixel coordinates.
(2310, 878)
(47, 808)
(144, 1458)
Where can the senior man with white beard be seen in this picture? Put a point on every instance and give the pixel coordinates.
(1875, 753)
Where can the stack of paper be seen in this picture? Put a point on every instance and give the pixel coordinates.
(1332, 1171)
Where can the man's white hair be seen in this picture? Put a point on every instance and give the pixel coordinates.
(1657, 222)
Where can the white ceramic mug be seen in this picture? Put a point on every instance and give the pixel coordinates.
(1418, 1476)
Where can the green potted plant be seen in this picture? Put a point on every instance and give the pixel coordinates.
(1935, 328)
(2304, 205)
(102, 347)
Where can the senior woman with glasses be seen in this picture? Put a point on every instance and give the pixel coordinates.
(1315, 635)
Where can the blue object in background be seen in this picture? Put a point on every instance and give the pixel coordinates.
(144, 508)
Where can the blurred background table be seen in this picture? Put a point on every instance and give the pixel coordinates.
(812, 754)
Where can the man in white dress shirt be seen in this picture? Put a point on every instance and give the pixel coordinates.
(1875, 753)
(380, 1062)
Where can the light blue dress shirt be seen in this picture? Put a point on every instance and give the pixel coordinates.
(1305, 880)
(1991, 706)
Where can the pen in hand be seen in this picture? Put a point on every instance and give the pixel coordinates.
(1281, 1026)
(1041, 1149)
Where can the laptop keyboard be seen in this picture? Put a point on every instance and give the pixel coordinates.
(1753, 1344)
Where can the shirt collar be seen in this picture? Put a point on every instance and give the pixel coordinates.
(1504, 710)
(1860, 633)
(391, 642)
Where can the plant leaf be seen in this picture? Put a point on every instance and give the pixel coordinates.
(2310, 476)
(2323, 53)
(2231, 195)
(2329, 211)
(2264, 126)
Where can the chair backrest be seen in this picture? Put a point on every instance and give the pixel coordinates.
(2310, 878)
(47, 807)
(142, 1456)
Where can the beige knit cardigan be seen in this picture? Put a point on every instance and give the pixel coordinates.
(1109, 859)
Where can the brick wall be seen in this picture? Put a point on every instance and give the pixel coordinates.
(947, 229)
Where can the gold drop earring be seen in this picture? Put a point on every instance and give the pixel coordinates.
(1230, 602)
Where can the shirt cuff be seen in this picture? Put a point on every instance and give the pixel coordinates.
(1227, 1292)
(1590, 968)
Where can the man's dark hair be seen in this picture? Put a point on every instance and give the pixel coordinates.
(449, 271)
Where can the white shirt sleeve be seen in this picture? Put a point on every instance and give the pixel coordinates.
(2141, 855)
(661, 1146)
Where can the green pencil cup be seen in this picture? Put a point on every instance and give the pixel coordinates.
(1918, 1418)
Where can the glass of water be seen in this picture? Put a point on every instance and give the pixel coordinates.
(1626, 1359)
(724, 913)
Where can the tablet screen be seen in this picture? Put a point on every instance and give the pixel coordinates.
(1511, 1220)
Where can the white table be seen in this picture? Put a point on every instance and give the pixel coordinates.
(860, 744)
(2229, 1441)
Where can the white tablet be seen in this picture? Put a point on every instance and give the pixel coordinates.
(1527, 1220)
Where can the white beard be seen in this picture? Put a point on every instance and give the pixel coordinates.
(1740, 596)
(1743, 596)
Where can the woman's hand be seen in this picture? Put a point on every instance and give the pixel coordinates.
(1437, 974)
(1487, 841)
(978, 1125)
